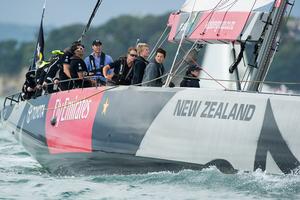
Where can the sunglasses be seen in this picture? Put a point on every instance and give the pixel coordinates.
(133, 55)
(80, 48)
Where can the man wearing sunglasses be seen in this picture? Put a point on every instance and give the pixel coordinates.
(78, 67)
(122, 69)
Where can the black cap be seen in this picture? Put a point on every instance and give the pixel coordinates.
(194, 68)
(30, 74)
(97, 42)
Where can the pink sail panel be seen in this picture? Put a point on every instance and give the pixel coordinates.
(220, 26)
(173, 23)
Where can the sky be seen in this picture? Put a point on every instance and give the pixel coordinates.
(64, 12)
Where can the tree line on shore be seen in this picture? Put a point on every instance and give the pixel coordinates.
(122, 32)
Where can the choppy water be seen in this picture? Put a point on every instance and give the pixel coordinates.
(21, 177)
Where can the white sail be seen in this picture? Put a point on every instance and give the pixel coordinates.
(216, 62)
(224, 5)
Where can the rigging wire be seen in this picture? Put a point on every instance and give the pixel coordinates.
(166, 37)
(246, 22)
(87, 27)
(270, 47)
(184, 58)
(198, 65)
(158, 43)
(225, 14)
(169, 79)
(9, 97)
(210, 14)
(184, 24)
(248, 17)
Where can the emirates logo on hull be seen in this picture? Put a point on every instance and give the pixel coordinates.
(71, 109)
(70, 119)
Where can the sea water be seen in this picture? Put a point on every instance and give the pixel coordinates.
(21, 177)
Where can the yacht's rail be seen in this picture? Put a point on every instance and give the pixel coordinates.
(17, 97)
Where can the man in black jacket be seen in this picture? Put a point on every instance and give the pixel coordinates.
(40, 75)
(65, 73)
(192, 77)
(78, 67)
(29, 87)
(122, 69)
(140, 63)
(52, 77)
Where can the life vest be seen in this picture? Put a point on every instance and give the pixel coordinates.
(121, 76)
(96, 70)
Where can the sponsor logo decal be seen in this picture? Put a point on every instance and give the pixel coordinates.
(71, 109)
(35, 112)
(220, 25)
(70, 119)
(214, 110)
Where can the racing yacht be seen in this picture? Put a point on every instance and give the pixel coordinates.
(131, 129)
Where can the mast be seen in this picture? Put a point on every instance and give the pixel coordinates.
(267, 45)
(99, 2)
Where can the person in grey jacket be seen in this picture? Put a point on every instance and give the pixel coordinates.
(154, 70)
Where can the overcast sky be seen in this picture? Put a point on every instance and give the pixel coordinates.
(63, 12)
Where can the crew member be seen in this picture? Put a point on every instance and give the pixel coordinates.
(96, 61)
(192, 77)
(155, 70)
(140, 63)
(65, 72)
(52, 77)
(122, 69)
(78, 67)
(42, 69)
(29, 87)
